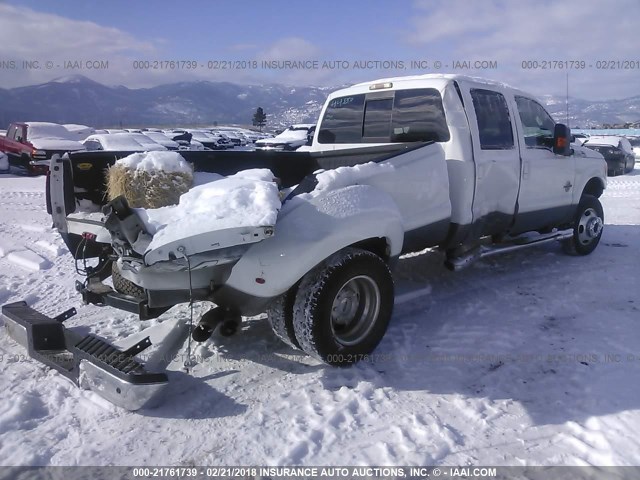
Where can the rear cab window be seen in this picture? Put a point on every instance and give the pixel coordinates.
(410, 115)
(494, 122)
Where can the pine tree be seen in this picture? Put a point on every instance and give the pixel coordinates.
(259, 118)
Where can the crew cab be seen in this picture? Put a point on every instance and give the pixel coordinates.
(32, 144)
(397, 165)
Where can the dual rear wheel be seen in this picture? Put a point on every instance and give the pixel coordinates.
(340, 310)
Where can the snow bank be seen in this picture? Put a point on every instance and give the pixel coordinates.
(248, 198)
(28, 259)
(4, 162)
(170, 162)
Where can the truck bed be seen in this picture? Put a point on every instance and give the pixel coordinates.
(85, 177)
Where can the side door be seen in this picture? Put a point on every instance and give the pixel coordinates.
(547, 179)
(496, 159)
(14, 146)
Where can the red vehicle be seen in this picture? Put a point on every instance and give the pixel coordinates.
(32, 144)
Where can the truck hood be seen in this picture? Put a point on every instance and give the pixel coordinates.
(56, 144)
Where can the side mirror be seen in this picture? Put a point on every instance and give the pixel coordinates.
(562, 140)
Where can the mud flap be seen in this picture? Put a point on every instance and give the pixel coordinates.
(87, 360)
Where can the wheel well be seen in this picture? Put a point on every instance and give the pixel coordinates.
(377, 245)
(594, 187)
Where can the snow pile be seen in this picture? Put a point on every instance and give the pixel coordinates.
(345, 176)
(150, 179)
(4, 162)
(168, 162)
(248, 198)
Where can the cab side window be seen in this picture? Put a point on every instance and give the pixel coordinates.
(494, 121)
(17, 135)
(537, 124)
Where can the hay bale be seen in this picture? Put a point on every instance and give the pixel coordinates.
(147, 189)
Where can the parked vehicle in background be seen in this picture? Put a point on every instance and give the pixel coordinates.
(291, 139)
(31, 145)
(163, 140)
(222, 139)
(635, 144)
(120, 142)
(617, 152)
(147, 142)
(82, 131)
(4, 163)
(580, 138)
(206, 139)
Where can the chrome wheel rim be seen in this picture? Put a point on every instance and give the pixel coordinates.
(354, 310)
(589, 227)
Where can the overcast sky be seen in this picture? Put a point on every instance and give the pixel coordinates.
(122, 32)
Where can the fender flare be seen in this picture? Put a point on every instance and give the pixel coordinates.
(311, 229)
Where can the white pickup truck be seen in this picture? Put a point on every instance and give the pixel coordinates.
(396, 165)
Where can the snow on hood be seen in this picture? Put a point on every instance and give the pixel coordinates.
(156, 162)
(55, 144)
(248, 198)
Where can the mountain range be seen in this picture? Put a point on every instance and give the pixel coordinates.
(77, 99)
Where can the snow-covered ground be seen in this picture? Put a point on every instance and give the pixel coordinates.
(524, 359)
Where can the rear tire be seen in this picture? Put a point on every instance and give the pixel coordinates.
(343, 307)
(587, 227)
(124, 286)
(280, 315)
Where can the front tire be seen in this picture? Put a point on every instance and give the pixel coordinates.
(588, 226)
(343, 307)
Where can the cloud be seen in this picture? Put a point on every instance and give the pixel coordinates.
(29, 35)
(513, 31)
(293, 49)
(290, 48)
(54, 40)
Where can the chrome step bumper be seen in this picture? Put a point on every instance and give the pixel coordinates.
(87, 360)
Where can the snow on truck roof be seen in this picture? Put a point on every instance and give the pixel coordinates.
(436, 79)
(435, 76)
